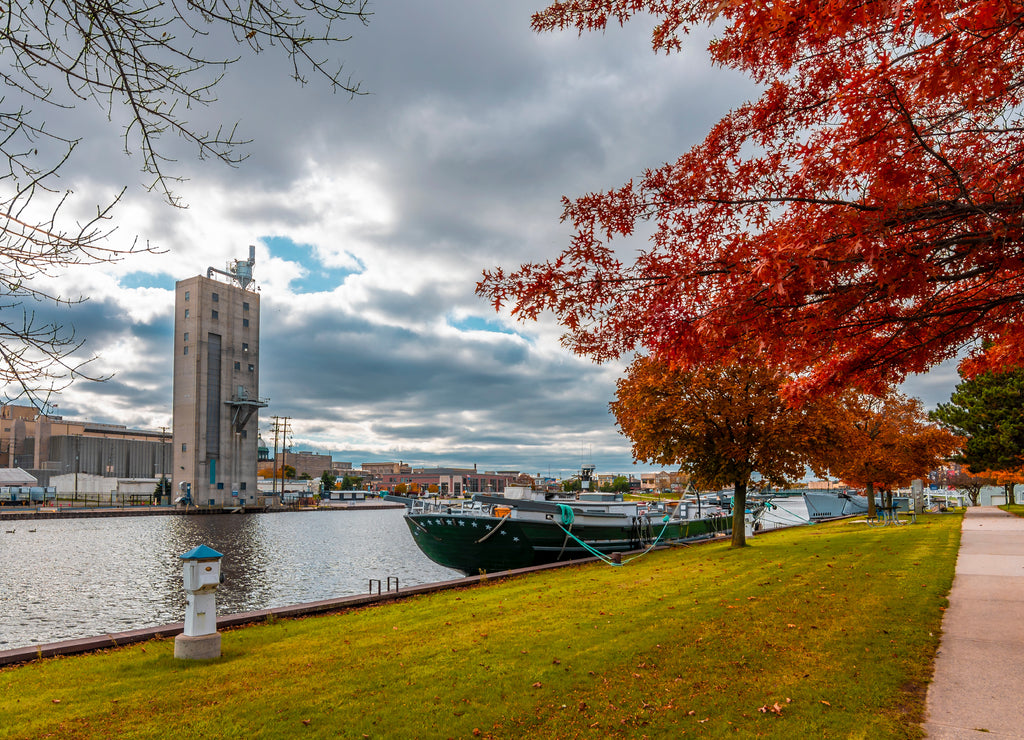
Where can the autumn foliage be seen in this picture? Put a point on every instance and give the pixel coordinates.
(859, 221)
(721, 425)
(882, 443)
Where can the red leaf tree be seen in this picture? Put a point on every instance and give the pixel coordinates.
(859, 221)
(721, 425)
(883, 442)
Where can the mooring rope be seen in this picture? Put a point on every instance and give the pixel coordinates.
(568, 517)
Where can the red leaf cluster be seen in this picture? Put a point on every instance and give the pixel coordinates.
(859, 221)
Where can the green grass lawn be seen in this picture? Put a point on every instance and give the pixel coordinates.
(1016, 509)
(822, 631)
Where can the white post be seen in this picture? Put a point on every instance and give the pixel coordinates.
(202, 577)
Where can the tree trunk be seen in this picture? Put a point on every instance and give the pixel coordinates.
(1009, 494)
(739, 511)
(869, 491)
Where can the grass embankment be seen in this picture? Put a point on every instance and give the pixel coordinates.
(1015, 509)
(823, 631)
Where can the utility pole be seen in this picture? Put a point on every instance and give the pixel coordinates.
(273, 480)
(280, 432)
(164, 488)
(284, 449)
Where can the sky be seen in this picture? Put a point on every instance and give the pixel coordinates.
(373, 218)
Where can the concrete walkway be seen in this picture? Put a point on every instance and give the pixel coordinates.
(977, 690)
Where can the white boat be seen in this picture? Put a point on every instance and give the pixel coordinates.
(823, 505)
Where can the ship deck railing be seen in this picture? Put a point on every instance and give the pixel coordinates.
(445, 506)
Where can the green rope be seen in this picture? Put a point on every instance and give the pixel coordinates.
(569, 518)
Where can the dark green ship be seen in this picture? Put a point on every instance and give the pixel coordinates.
(493, 533)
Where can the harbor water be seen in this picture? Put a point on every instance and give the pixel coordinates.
(62, 579)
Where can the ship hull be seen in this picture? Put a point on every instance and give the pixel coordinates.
(476, 544)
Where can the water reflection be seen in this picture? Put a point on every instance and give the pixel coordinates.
(81, 577)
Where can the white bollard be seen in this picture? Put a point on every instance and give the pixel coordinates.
(202, 577)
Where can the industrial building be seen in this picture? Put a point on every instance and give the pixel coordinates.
(50, 447)
(216, 386)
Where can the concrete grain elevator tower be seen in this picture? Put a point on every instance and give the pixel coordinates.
(216, 386)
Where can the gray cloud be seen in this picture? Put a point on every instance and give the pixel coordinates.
(455, 162)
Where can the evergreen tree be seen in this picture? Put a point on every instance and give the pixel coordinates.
(989, 411)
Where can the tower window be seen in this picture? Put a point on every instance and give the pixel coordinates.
(214, 314)
(185, 352)
(216, 297)
(245, 322)
(186, 336)
(245, 346)
(186, 295)
(186, 313)
(245, 306)
(252, 368)
(238, 366)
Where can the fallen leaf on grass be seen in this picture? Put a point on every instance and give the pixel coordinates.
(537, 685)
(306, 721)
(825, 703)
(56, 701)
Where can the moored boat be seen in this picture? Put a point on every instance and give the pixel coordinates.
(522, 527)
(823, 505)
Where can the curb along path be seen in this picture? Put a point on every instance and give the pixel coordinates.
(979, 670)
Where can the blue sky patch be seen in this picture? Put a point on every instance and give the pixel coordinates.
(475, 323)
(319, 278)
(147, 280)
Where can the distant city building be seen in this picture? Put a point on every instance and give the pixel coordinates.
(448, 481)
(216, 385)
(305, 463)
(385, 468)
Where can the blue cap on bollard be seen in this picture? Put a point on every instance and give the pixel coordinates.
(202, 552)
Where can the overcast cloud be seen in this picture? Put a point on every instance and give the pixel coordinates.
(373, 218)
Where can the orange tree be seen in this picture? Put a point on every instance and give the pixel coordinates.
(1007, 479)
(720, 424)
(884, 442)
(858, 221)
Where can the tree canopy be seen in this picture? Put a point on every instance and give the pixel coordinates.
(721, 425)
(148, 64)
(884, 442)
(988, 411)
(859, 221)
